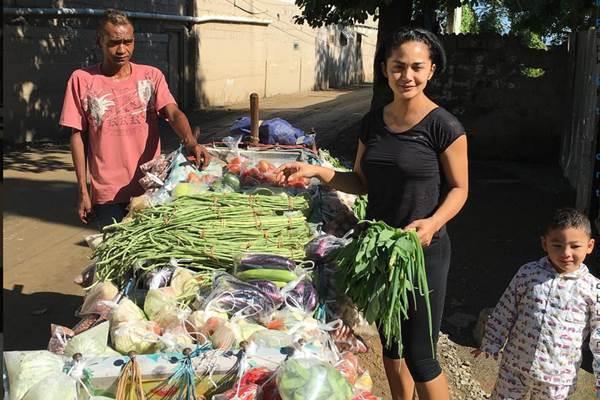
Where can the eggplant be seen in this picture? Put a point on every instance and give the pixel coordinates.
(270, 289)
(271, 261)
(305, 294)
(233, 295)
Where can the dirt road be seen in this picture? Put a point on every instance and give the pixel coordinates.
(497, 231)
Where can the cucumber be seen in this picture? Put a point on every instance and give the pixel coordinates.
(268, 274)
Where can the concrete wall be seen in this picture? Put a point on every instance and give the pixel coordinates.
(507, 114)
(281, 58)
(39, 54)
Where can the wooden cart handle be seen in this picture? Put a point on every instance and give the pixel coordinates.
(254, 117)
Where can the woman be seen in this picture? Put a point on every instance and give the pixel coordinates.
(412, 162)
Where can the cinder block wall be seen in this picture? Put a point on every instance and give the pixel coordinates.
(507, 114)
(40, 53)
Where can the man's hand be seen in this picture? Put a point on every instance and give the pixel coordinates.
(84, 208)
(201, 155)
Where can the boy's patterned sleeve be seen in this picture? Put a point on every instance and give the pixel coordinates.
(595, 335)
(502, 318)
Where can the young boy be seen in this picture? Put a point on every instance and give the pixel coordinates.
(543, 317)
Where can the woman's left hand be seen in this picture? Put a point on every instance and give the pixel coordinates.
(425, 229)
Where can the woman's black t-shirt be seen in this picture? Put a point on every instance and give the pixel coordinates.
(405, 179)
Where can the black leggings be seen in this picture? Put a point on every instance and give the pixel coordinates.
(421, 363)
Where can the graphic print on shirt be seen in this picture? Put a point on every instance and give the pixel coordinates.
(97, 107)
(120, 108)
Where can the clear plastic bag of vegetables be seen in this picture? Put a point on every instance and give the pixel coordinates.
(300, 294)
(95, 299)
(321, 249)
(201, 325)
(233, 296)
(25, 370)
(270, 338)
(174, 339)
(159, 299)
(229, 334)
(172, 315)
(140, 336)
(92, 342)
(250, 261)
(124, 312)
(58, 386)
(310, 378)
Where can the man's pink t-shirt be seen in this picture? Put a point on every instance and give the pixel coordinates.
(121, 123)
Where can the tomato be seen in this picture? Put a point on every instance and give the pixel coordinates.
(243, 392)
(194, 178)
(235, 165)
(263, 166)
(300, 183)
(234, 168)
(258, 375)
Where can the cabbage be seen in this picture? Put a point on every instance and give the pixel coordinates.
(58, 386)
(175, 339)
(157, 299)
(198, 318)
(33, 367)
(246, 329)
(183, 281)
(138, 336)
(271, 338)
(228, 335)
(89, 343)
(171, 315)
(125, 312)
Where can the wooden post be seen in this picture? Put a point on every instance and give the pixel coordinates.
(254, 117)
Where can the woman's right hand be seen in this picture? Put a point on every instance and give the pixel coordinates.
(296, 170)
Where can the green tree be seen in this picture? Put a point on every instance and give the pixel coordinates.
(551, 18)
(469, 22)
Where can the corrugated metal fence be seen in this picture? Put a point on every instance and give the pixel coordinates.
(580, 152)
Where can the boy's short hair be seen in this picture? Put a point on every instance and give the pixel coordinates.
(113, 16)
(568, 217)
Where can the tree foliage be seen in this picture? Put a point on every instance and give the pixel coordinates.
(469, 22)
(543, 17)
(550, 17)
(346, 12)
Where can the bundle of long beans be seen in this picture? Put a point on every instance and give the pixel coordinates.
(206, 232)
(380, 269)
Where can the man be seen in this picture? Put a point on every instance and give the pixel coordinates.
(113, 110)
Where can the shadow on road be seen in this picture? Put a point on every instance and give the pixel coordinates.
(36, 160)
(51, 201)
(28, 317)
